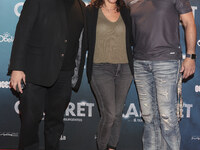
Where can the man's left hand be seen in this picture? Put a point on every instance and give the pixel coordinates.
(188, 67)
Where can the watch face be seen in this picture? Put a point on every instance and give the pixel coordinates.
(193, 56)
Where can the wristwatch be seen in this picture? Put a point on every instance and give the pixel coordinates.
(192, 56)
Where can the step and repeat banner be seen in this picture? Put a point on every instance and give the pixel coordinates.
(81, 117)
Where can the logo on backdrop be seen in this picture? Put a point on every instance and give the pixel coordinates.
(6, 38)
(17, 8)
(78, 111)
(16, 107)
(198, 42)
(133, 114)
(4, 84)
(194, 8)
(187, 108)
(10, 134)
(195, 138)
(63, 138)
(197, 88)
(75, 112)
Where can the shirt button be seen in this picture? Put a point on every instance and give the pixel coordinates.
(65, 41)
(62, 55)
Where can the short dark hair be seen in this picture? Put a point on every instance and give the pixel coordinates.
(99, 3)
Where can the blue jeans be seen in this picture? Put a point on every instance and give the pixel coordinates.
(157, 84)
(110, 84)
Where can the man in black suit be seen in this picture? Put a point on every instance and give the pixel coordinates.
(47, 52)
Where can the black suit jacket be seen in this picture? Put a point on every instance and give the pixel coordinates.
(40, 40)
(91, 20)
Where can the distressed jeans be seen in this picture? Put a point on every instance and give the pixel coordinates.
(110, 84)
(157, 83)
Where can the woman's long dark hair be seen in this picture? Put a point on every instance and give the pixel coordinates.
(99, 3)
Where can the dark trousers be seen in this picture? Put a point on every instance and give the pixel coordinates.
(52, 101)
(110, 84)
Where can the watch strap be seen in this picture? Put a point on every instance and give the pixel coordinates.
(192, 56)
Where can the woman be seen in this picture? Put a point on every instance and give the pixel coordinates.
(109, 64)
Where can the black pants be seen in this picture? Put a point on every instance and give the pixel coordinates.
(52, 101)
(110, 84)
